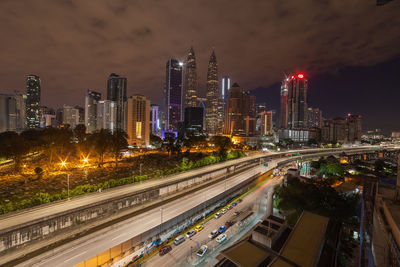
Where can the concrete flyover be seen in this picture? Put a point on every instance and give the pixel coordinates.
(27, 228)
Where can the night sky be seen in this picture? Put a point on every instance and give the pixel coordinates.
(350, 50)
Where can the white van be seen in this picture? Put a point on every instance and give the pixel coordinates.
(179, 240)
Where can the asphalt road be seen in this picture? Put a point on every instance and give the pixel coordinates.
(184, 254)
(89, 246)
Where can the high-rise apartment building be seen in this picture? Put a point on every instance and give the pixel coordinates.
(33, 88)
(91, 100)
(106, 115)
(342, 130)
(116, 91)
(297, 102)
(47, 117)
(138, 125)
(190, 80)
(214, 109)
(173, 94)
(70, 116)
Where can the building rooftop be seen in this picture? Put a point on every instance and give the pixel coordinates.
(309, 229)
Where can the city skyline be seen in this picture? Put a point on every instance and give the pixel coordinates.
(134, 53)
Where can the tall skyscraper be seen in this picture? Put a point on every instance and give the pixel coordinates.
(284, 104)
(154, 119)
(173, 95)
(116, 91)
(106, 115)
(297, 102)
(194, 119)
(138, 124)
(239, 112)
(214, 107)
(91, 100)
(190, 80)
(33, 101)
(266, 124)
(225, 85)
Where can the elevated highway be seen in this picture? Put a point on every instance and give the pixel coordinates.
(44, 217)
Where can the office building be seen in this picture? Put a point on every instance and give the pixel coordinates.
(155, 124)
(297, 102)
(283, 119)
(214, 109)
(8, 113)
(240, 112)
(225, 85)
(47, 117)
(190, 80)
(70, 116)
(138, 124)
(106, 115)
(266, 124)
(20, 103)
(342, 130)
(173, 95)
(116, 91)
(33, 89)
(354, 128)
(91, 100)
(194, 119)
(314, 117)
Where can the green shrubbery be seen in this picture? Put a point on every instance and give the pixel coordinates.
(42, 198)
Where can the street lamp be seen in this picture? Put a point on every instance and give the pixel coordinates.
(63, 163)
(68, 184)
(140, 169)
(85, 160)
(161, 214)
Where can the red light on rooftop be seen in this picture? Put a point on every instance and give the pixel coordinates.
(300, 75)
(292, 77)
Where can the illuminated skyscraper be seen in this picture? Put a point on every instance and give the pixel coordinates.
(138, 125)
(173, 95)
(284, 104)
(190, 80)
(91, 100)
(297, 102)
(225, 85)
(154, 119)
(214, 109)
(116, 91)
(106, 115)
(33, 101)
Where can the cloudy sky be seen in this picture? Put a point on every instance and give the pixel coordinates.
(74, 45)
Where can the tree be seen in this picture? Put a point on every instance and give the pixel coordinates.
(56, 141)
(118, 142)
(13, 146)
(101, 143)
(155, 140)
(379, 165)
(223, 143)
(80, 133)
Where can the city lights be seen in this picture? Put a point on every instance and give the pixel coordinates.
(63, 163)
(300, 75)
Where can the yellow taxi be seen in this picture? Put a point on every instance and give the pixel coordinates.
(199, 227)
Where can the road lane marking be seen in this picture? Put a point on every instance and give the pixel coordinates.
(75, 256)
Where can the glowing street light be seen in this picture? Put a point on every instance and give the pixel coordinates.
(63, 163)
(85, 160)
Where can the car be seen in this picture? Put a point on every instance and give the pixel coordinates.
(217, 215)
(229, 207)
(234, 204)
(199, 227)
(237, 213)
(221, 238)
(213, 234)
(229, 224)
(179, 240)
(191, 233)
(165, 250)
(202, 251)
(222, 229)
(223, 211)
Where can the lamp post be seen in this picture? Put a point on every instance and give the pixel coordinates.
(161, 215)
(68, 184)
(140, 169)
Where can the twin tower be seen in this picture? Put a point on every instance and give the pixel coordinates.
(181, 91)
